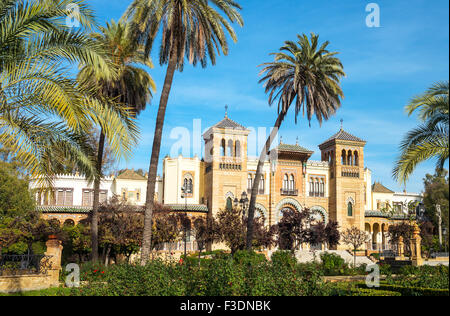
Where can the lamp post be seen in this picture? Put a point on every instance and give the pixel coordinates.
(439, 214)
(184, 191)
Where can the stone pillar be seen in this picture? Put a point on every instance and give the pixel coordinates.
(416, 251)
(401, 248)
(54, 250)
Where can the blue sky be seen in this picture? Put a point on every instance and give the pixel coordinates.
(385, 67)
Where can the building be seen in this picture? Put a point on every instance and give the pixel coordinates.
(71, 197)
(337, 188)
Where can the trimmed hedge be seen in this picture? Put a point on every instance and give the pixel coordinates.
(414, 291)
(372, 292)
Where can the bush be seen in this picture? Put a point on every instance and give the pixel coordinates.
(249, 258)
(284, 258)
(414, 291)
(333, 264)
(423, 277)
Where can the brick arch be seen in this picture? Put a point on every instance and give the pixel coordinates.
(322, 212)
(290, 202)
(263, 211)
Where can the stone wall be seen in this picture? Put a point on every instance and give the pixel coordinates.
(30, 282)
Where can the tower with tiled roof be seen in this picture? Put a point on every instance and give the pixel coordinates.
(345, 154)
(225, 163)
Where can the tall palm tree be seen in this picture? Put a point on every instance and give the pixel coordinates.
(430, 139)
(41, 107)
(191, 29)
(131, 90)
(308, 75)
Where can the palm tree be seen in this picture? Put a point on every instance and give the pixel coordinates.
(41, 107)
(191, 29)
(428, 140)
(307, 75)
(131, 90)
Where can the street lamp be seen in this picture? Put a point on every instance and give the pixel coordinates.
(184, 194)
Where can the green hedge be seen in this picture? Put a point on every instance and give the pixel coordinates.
(414, 291)
(372, 292)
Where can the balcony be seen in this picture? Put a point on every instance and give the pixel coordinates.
(260, 191)
(289, 192)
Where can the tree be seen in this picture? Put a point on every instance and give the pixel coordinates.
(205, 232)
(120, 229)
(190, 29)
(131, 91)
(294, 229)
(308, 75)
(41, 107)
(332, 235)
(430, 138)
(231, 230)
(356, 238)
(437, 193)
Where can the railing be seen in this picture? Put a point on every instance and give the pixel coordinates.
(350, 172)
(289, 192)
(260, 191)
(316, 194)
(24, 264)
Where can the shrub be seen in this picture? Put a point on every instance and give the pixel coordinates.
(284, 258)
(333, 264)
(414, 291)
(249, 258)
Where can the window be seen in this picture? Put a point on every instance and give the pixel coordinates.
(229, 206)
(292, 183)
(350, 158)
(222, 148)
(317, 186)
(249, 181)
(286, 182)
(230, 148)
(344, 157)
(188, 184)
(349, 209)
(88, 197)
(356, 159)
(237, 149)
(138, 196)
(261, 184)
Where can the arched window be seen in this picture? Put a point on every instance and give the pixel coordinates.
(229, 206)
(222, 148)
(249, 181)
(349, 158)
(188, 184)
(349, 209)
(230, 148)
(292, 183)
(285, 182)
(344, 157)
(237, 149)
(261, 184)
(322, 188)
(316, 187)
(311, 187)
(356, 159)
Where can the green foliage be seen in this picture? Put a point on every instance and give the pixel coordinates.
(414, 291)
(249, 258)
(333, 264)
(284, 258)
(423, 277)
(217, 277)
(15, 198)
(430, 139)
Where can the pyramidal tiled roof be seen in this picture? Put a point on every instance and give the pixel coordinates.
(295, 148)
(131, 175)
(379, 188)
(229, 123)
(343, 135)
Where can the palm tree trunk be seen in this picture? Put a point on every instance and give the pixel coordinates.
(151, 182)
(98, 176)
(262, 159)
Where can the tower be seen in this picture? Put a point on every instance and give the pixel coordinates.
(345, 154)
(225, 163)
